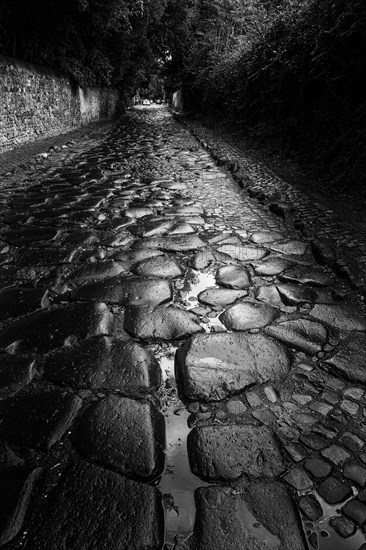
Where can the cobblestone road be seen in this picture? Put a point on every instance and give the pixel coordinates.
(319, 212)
(179, 367)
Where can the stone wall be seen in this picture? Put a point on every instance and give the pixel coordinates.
(36, 102)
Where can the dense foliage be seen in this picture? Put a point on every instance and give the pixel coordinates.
(96, 42)
(294, 69)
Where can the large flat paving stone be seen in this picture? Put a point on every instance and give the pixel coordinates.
(16, 486)
(127, 290)
(97, 271)
(248, 315)
(15, 302)
(130, 257)
(213, 366)
(269, 295)
(91, 508)
(37, 417)
(175, 243)
(349, 361)
(124, 435)
(297, 248)
(243, 253)
(43, 331)
(15, 372)
(152, 228)
(155, 324)
(233, 276)
(272, 266)
(104, 363)
(260, 237)
(258, 515)
(300, 334)
(217, 297)
(306, 275)
(294, 295)
(339, 317)
(161, 266)
(29, 234)
(227, 452)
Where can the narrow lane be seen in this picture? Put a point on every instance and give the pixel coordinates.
(176, 369)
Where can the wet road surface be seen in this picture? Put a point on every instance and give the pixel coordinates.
(177, 370)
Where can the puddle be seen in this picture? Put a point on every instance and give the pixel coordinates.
(194, 283)
(252, 526)
(177, 483)
(328, 539)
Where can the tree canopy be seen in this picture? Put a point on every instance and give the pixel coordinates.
(96, 42)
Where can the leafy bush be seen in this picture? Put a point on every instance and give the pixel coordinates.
(295, 66)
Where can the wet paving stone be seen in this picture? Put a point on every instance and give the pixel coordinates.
(217, 297)
(297, 248)
(15, 373)
(213, 366)
(123, 435)
(16, 486)
(261, 237)
(317, 467)
(160, 266)
(104, 519)
(119, 223)
(314, 441)
(46, 330)
(127, 290)
(270, 295)
(29, 234)
(243, 253)
(342, 526)
(227, 452)
(294, 295)
(37, 418)
(300, 334)
(97, 271)
(104, 364)
(355, 473)
(202, 259)
(298, 479)
(334, 490)
(15, 302)
(349, 360)
(340, 318)
(152, 228)
(310, 507)
(161, 323)
(254, 516)
(356, 511)
(137, 212)
(130, 257)
(232, 276)
(181, 229)
(305, 275)
(272, 266)
(117, 240)
(176, 243)
(248, 315)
